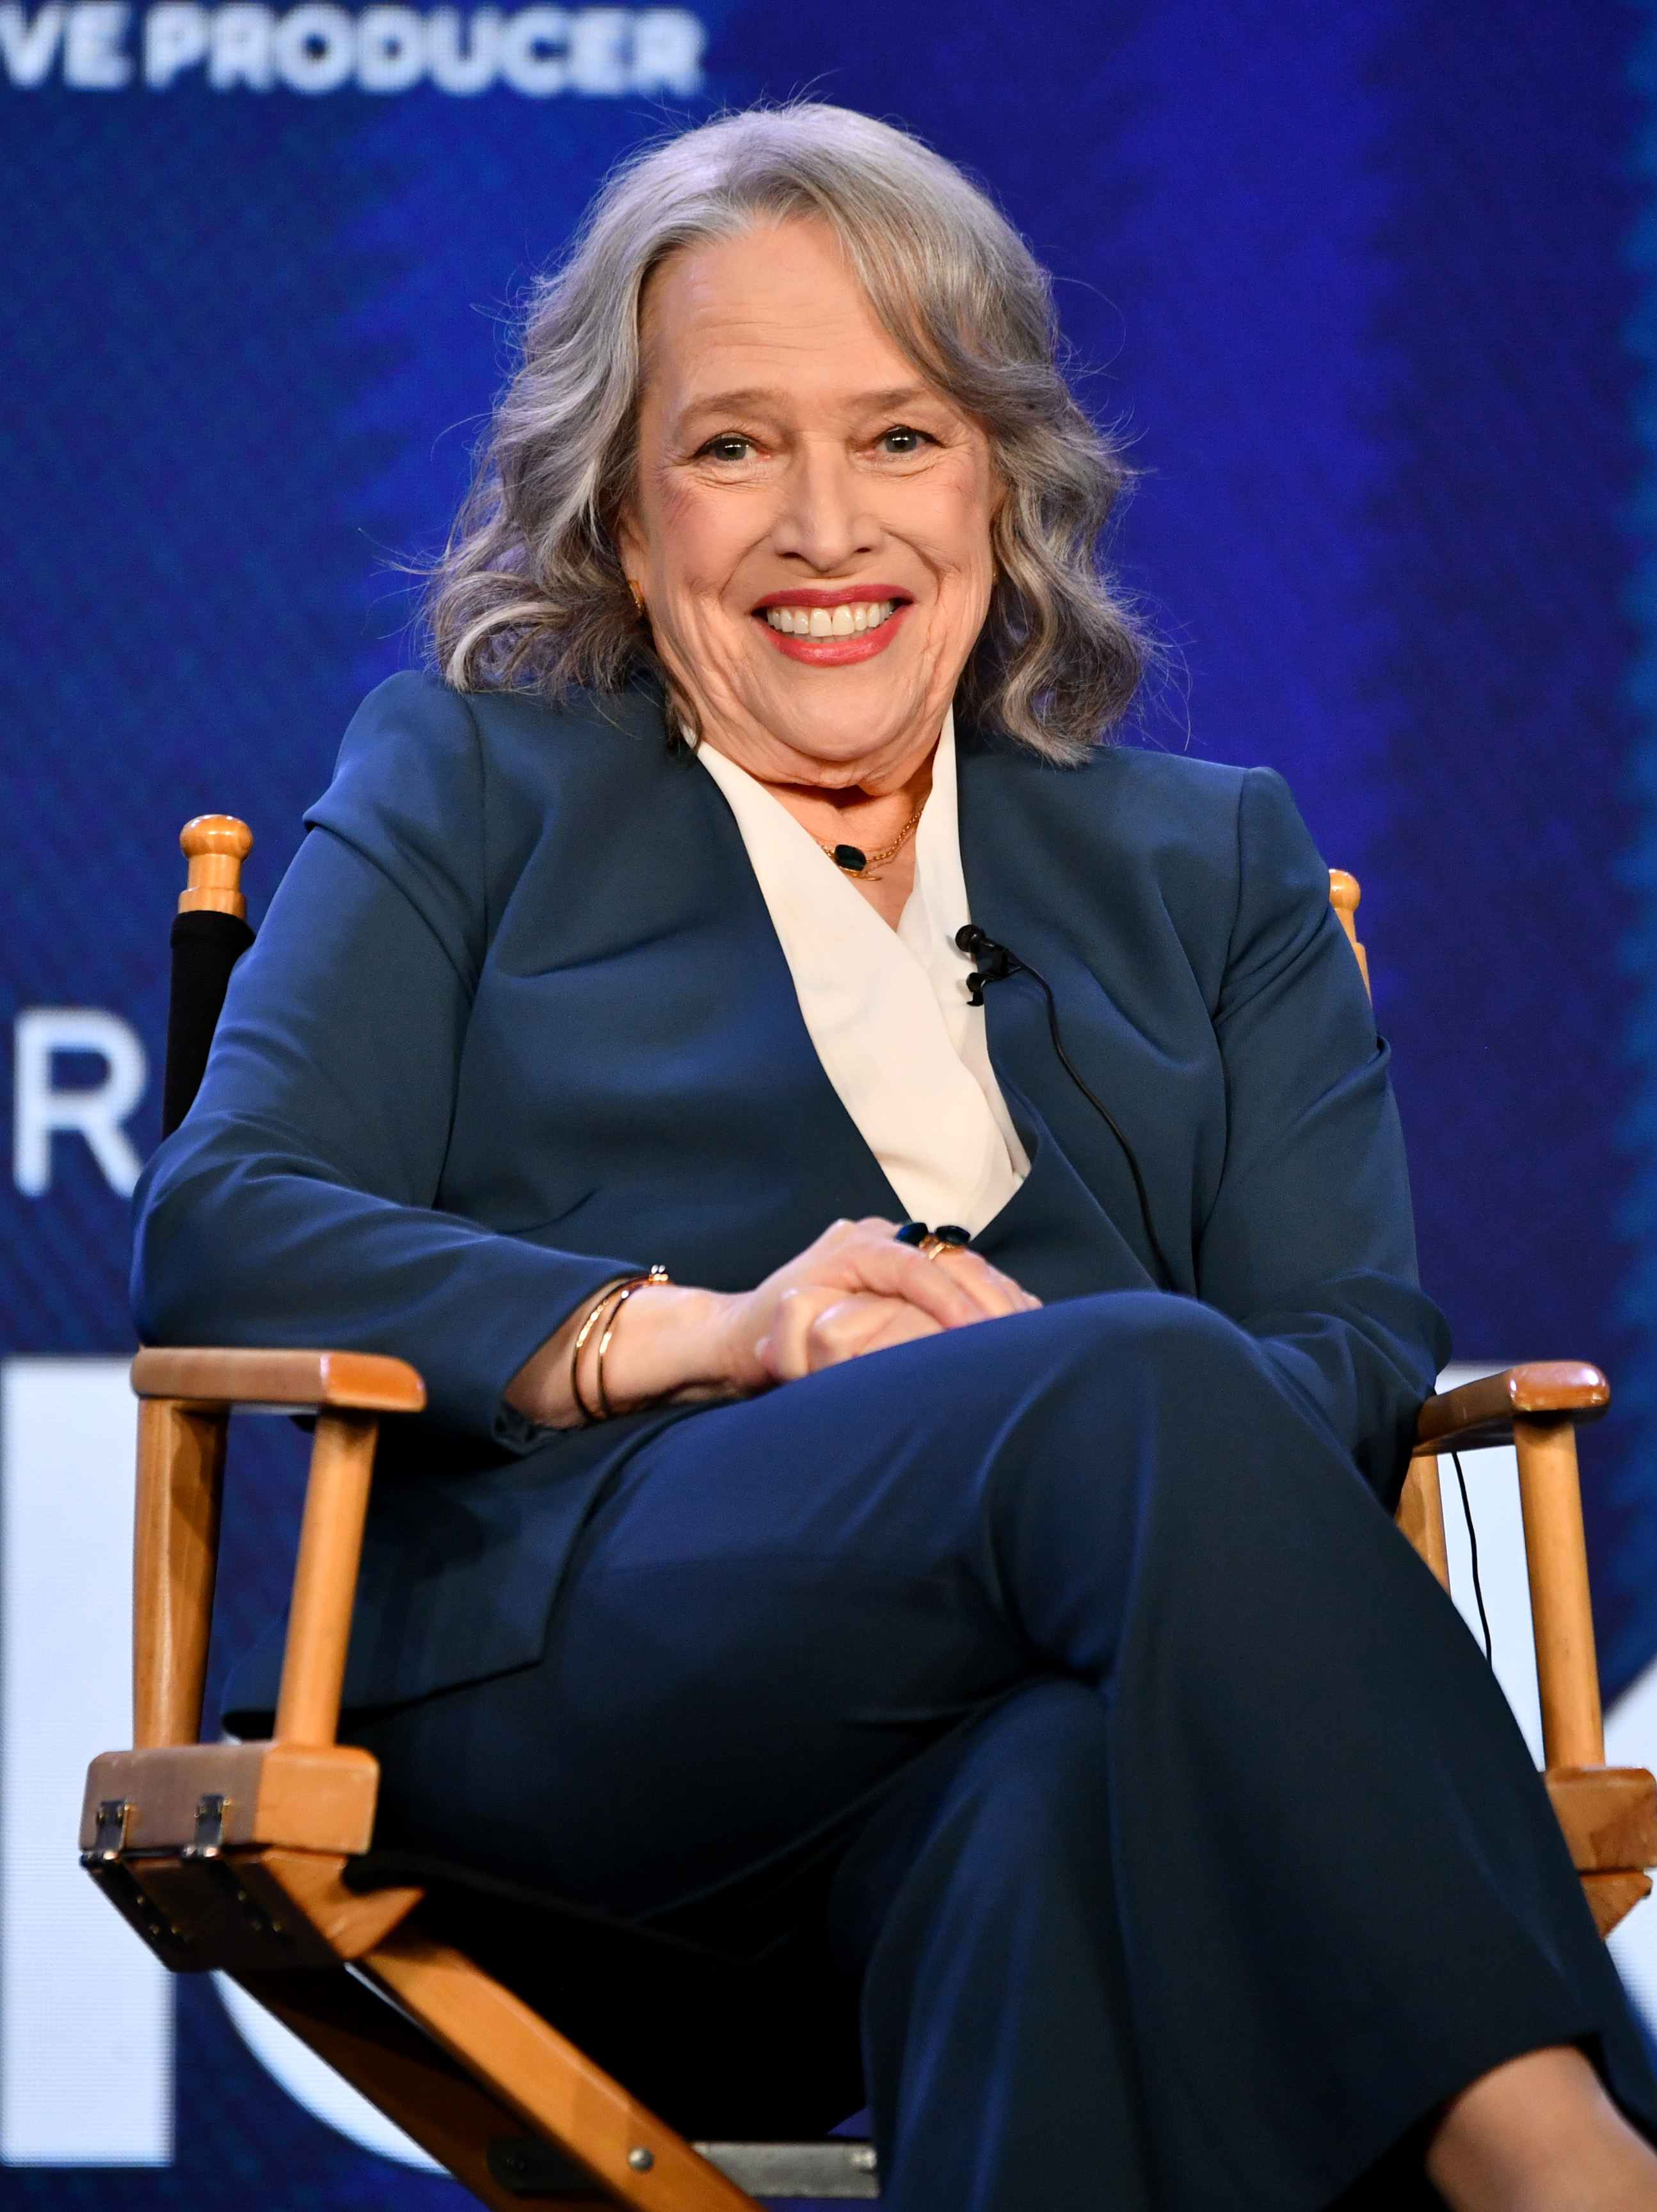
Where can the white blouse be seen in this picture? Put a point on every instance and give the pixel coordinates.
(887, 1009)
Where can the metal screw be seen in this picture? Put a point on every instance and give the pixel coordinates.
(641, 2160)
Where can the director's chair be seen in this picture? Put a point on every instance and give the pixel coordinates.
(497, 2026)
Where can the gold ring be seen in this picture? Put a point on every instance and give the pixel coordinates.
(934, 1247)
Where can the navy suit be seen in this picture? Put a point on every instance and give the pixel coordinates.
(1053, 1633)
(518, 1022)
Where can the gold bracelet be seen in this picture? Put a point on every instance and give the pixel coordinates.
(658, 1274)
(580, 1346)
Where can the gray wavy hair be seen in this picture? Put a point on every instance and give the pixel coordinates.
(530, 591)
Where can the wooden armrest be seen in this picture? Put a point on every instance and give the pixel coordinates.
(1482, 1413)
(289, 1382)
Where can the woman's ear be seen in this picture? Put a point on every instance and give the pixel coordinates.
(630, 552)
(628, 542)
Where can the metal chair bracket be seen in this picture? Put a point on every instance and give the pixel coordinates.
(112, 1829)
(109, 1870)
(210, 1830)
(837, 2167)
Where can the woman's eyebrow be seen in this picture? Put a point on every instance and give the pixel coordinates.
(902, 395)
(730, 402)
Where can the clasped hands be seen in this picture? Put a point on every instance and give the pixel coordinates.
(856, 1290)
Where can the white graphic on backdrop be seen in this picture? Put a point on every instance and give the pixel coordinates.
(102, 46)
(86, 2012)
(40, 1110)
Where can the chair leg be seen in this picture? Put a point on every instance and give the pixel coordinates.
(1420, 1517)
(402, 2072)
(541, 2075)
(174, 1560)
(1556, 1559)
(1609, 1814)
(1612, 1897)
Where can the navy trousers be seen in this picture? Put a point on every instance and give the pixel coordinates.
(1184, 1847)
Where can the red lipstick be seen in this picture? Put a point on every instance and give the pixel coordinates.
(835, 651)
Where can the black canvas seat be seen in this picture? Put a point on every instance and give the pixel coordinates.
(724, 2048)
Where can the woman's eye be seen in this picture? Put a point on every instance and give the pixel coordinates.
(901, 440)
(727, 448)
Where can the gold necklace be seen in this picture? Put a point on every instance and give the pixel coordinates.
(852, 860)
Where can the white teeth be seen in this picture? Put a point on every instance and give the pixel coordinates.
(851, 620)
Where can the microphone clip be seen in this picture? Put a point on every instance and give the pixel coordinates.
(995, 963)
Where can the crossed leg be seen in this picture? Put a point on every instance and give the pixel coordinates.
(1322, 1888)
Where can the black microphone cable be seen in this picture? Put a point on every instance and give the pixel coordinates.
(994, 962)
(1473, 1554)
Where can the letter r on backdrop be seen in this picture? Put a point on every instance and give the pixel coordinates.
(94, 1111)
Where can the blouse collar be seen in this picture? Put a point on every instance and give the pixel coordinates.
(886, 1010)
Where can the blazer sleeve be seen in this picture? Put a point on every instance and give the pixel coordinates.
(297, 1204)
(1310, 1243)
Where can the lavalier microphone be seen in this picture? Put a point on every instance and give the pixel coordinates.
(994, 963)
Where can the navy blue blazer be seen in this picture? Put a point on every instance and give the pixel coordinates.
(518, 1022)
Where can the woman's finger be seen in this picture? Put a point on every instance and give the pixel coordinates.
(997, 1293)
(851, 1326)
(863, 1259)
(838, 1234)
(953, 1290)
(992, 1290)
(782, 1351)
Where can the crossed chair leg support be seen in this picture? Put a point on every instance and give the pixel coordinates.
(519, 2142)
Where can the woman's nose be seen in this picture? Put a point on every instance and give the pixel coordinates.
(825, 517)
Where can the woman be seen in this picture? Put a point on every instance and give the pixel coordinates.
(1065, 1672)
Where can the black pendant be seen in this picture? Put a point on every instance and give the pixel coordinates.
(848, 858)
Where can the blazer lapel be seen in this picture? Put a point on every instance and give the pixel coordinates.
(1075, 1224)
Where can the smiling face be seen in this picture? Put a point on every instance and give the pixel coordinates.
(810, 526)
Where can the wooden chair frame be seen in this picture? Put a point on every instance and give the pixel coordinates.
(1609, 1814)
(231, 1855)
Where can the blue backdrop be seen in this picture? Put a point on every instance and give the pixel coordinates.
(1372, 286)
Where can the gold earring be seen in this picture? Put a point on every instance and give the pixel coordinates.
(638, 596)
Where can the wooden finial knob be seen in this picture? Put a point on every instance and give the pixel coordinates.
(1343, 896)
(216, 845)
